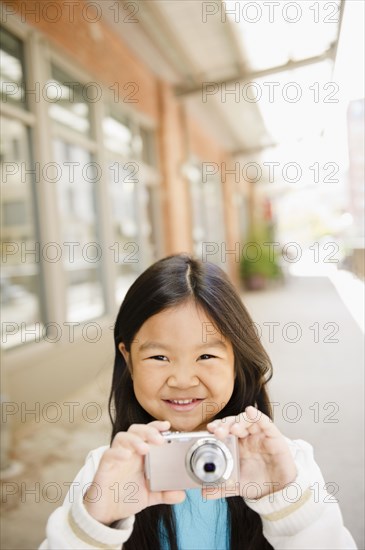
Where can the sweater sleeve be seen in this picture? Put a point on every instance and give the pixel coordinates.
(303, 515)
(71, 526)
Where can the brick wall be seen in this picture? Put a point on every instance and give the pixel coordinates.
(94, 46)
(99, 51)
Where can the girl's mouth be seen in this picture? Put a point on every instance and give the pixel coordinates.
(182, 404)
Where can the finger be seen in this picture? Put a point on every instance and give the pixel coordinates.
(129, 440)
(239, 430)
(236, 425)
(221, 427)
(160, 424)
(259, 422)
(221, 421)
(149, 433)
(250, 422)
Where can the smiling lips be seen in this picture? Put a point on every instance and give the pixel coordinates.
(182, 404)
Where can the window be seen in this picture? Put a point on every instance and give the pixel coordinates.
(207, 211)
(20, 253)
(74, 138)
(20, 259)
(154, 232)
(78, 185)
(12, 70)
(149, 196)
(77, 209)
(148, 147)
(123, 179)
(68, 106)
(15, 213)
(118, 137)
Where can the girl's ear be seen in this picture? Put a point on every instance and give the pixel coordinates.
(126, 354)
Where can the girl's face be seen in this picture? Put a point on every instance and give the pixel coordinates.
(177, 355)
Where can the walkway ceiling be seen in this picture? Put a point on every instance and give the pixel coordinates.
(200, 52)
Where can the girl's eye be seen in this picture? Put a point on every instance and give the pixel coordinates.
(206, 356)
(158, 357)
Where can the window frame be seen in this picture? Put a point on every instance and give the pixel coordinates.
(27, 117)
(39, 54)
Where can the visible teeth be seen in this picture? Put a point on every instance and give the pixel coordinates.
(182, 401)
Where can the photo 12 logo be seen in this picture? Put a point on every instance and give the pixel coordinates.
(271, 92)
(71, 11)
(270, 12)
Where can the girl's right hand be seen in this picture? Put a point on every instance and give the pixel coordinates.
(119, 488)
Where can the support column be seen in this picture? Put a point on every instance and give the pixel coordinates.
(175, 194)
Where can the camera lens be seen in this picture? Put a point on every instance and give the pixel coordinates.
(208, 462)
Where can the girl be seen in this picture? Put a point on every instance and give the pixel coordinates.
(186, 359)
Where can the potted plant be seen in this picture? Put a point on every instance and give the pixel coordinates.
(259, 263)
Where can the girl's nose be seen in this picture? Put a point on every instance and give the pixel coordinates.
(182, 377)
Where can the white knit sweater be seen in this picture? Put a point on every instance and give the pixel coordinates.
(306, 518)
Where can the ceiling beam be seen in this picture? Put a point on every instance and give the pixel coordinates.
(253, 75)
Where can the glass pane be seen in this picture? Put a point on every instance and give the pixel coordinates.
(11, 69)
(123, 195)
(117, 136)
(213, 205)
(20, 252)
(77, 207)
(153, 210)
(198, 216)
(68, 102)
(207, 214)
(148, 146)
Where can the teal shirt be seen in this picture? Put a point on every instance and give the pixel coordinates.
(200, 525)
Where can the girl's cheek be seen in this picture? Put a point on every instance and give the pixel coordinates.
(148, 377)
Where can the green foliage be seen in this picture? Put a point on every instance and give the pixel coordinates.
(260, 259)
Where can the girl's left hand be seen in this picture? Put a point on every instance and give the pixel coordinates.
(266, 463)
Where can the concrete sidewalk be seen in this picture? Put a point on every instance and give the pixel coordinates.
(317, 392)
(317, 389)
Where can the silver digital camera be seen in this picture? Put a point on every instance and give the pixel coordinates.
(191, 459)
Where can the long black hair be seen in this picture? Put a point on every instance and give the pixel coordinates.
(167, 283)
